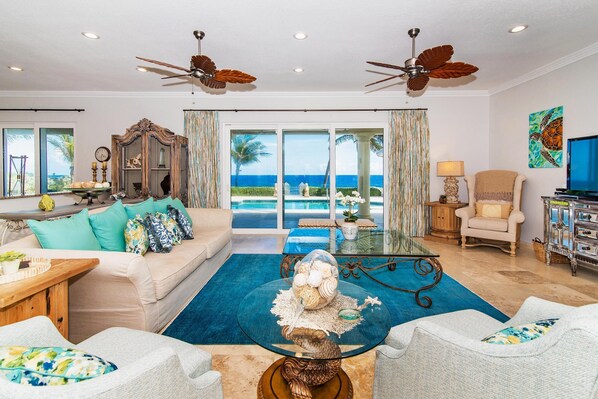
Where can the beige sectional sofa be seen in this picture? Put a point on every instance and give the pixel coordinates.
(141, 292)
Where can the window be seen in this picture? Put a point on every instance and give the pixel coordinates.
(36, 159)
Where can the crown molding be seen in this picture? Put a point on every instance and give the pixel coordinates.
(244, 95)
(553, 66)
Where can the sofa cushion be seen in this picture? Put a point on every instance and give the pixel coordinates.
(71, 233)
(168, 270)
(42, 366)
(173, 228)
(520, 334)
(214, 239)
(141, 209)
(182, 221)
(492, 224)
(161, 205)
(109, 227)
(493, 210)
(136, 239)
(160, 239)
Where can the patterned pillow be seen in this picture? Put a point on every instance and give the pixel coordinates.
(160, 239)
(520, 334)
(172, 226)
(136, 239)
(183, 222)
(40, 366)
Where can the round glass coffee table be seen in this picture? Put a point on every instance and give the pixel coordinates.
(312, 362)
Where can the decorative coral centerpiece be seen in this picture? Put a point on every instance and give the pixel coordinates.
(315, 279)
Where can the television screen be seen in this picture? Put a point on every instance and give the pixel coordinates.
(582, 164)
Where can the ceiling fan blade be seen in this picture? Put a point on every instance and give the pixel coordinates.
(384, 80)
(212, 83)
(453, 70)
(417, 83)
(435, 57)
(380, 64)
(233, 76)
(204, 63)
(176, 76)
(163, 64)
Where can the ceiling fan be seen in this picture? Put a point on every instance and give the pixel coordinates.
(204, 69)
(431, 63)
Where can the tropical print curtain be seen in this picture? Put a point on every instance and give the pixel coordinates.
(409, 171)
(201, 129)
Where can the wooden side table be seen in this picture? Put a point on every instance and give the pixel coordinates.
(445, 226)
(46, 294)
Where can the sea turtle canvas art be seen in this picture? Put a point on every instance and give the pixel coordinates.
(546, 138)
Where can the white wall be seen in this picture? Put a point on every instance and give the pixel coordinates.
(458, 123)
(575, 87)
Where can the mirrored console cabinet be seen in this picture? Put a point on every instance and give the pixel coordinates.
(571, 229)
(150, 161)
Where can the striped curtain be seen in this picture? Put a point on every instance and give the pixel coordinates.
(409, 171)
(201, 129)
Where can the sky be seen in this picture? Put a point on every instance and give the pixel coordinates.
(308, 155)
(56, 163)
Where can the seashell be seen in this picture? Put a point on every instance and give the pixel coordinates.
(303, 267)
(310, 297)
(328, 288)
(314, 279)
(334, 271)
(98, 185)
(300, 280)
(325, 269)
(106, 184)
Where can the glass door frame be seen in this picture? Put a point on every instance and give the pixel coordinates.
(225, 185)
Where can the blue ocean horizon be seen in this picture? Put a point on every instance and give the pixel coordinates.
(295, 180)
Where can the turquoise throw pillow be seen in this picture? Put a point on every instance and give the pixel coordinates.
(520, 334)
(43, 366)
(162, 205)
(70, 233)
(141, 209)
(109, 227)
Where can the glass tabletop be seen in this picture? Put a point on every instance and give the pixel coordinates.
(386, 243)
(256, 320)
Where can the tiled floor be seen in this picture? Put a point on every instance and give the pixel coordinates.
(498, 278)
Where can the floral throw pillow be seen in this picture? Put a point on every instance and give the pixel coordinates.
(136, 239)
(520, 334)
(172, 226)
(41, 366)
(160, 239)
(183, 222)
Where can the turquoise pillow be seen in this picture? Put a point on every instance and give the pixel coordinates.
(43, 366)
(141, 209)
(70, 233)
(109, 227)
(162, 205)
(520, 334)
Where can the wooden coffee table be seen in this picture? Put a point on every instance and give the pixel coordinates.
(46, 294)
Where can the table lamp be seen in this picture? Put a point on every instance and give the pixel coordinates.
(451, 170)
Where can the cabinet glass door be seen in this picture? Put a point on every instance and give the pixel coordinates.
(131, 179)
(159, 168)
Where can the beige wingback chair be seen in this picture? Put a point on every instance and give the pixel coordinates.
(494, 211)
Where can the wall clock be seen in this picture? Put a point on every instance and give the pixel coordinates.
(102, 154)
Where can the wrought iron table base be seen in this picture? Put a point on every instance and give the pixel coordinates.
(359, 264)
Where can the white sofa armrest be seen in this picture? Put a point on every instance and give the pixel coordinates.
(534, 309)
(465, 214)
(210, 218)
(515, 218)
(37, 331)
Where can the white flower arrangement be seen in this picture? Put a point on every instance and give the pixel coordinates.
(350, 201)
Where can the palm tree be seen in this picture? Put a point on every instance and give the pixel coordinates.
(65, 144)
(245, 151)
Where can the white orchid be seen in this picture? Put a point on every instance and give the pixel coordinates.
(350, 201)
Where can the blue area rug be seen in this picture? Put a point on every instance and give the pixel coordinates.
(211, 317)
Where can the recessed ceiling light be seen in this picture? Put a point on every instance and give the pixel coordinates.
(16, 68)
(140, 69)
(90, 35)
(300, 36)
(518, 29)
(298, 70)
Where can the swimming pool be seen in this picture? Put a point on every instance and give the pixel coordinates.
(262, 204)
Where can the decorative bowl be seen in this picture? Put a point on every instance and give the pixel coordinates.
(315, 279)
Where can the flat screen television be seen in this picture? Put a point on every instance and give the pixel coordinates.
(582, 166)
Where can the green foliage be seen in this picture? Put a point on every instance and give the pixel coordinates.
(252, 191)
(374, 191)
(245, 150)
(58, 184)
(11, 255)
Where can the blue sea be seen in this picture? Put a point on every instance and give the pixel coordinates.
(295, 180)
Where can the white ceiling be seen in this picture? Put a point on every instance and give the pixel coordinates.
(44, 37)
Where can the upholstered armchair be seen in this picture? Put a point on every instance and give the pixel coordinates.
(494, 211)
(149, 365)
(443, 356)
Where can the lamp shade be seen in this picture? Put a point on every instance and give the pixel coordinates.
(450, 168)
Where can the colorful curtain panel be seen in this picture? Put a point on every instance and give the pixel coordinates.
(409, 171)
(201, 128)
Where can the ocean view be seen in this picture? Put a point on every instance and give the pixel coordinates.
(295, 180)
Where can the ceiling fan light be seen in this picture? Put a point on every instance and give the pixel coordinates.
(16, 68)
(300, 36)
(518, 28)
(90, 35)
(298, 70)
(141, 69)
